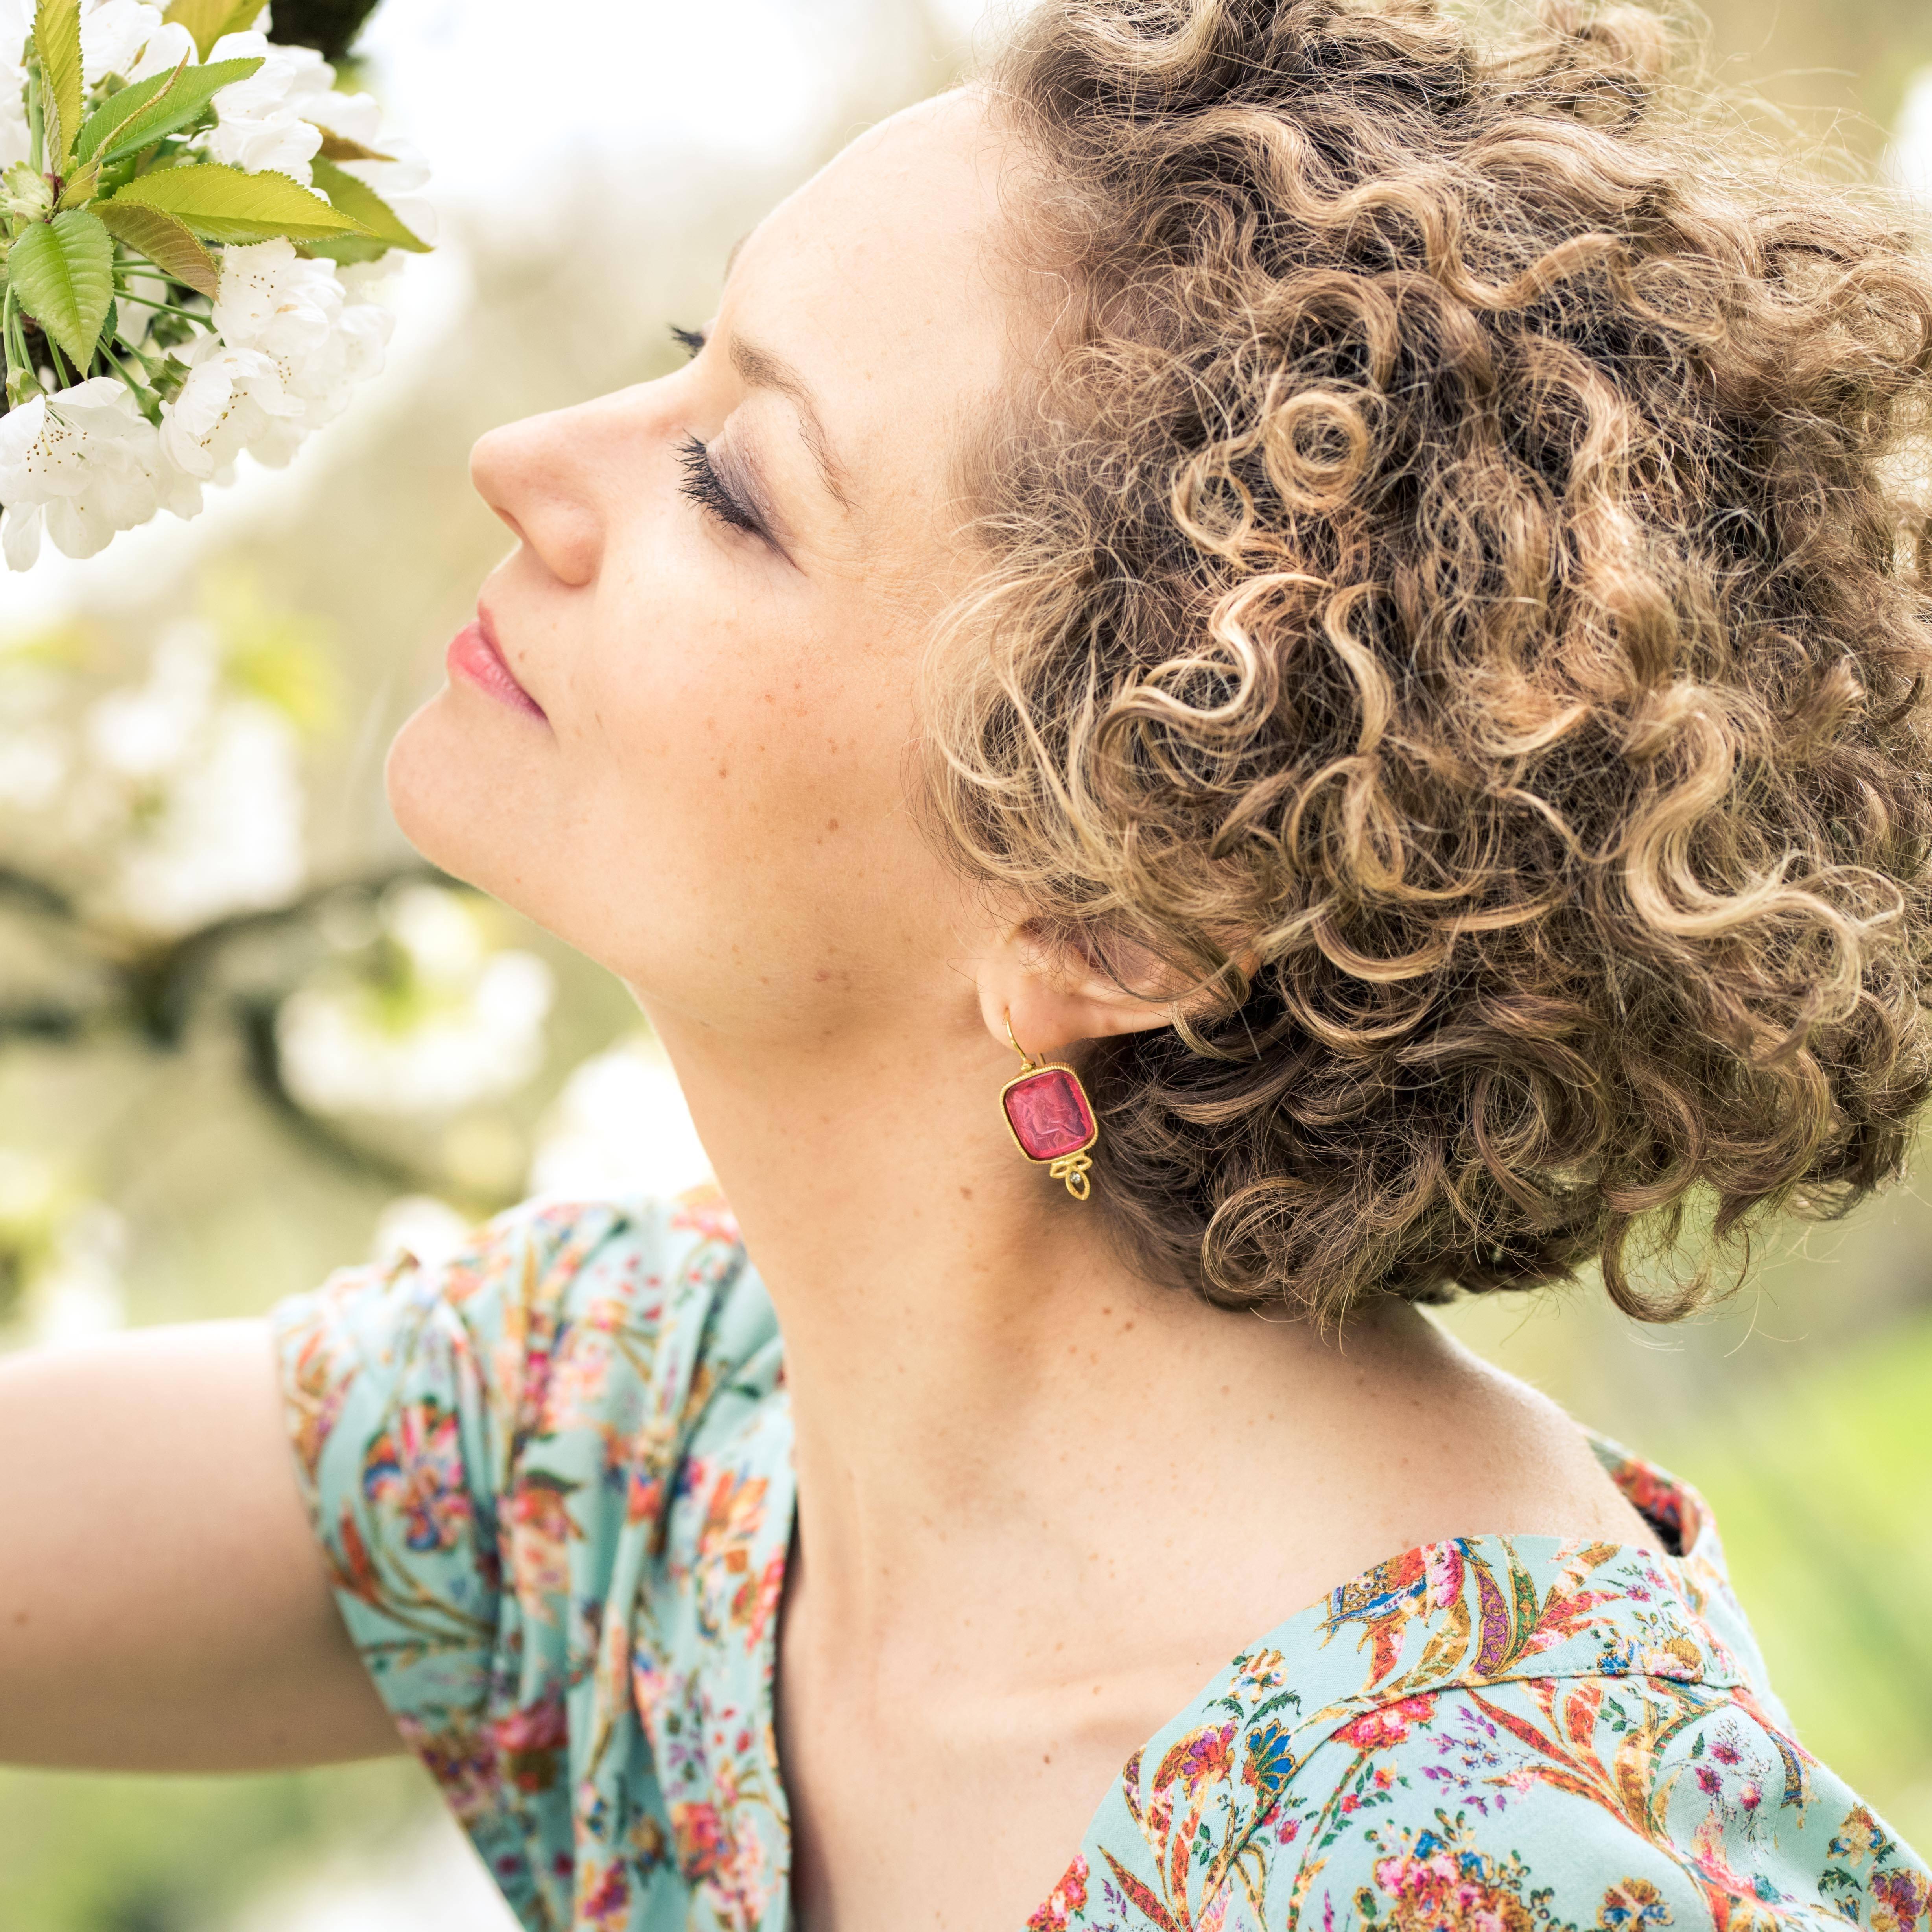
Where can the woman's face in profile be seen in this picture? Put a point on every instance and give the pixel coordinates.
(717, 605)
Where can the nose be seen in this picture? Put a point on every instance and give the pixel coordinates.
(540, 476)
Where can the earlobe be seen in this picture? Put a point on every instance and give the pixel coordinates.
(1057, 988)
(1049, 995)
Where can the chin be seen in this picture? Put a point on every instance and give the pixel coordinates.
(446, 800)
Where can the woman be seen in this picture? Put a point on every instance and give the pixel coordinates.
(1357, 589)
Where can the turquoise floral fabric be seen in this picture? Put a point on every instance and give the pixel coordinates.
(553, 1476)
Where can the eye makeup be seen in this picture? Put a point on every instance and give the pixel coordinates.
(739, 507)
(707, 489)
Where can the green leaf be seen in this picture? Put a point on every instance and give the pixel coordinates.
(118, 108)
(164, 241)
(224, 204)
(208, 20)
(344, 249)
(57, 41)
(356, 199)
(153, 108)
(78, 187)
(63, 272)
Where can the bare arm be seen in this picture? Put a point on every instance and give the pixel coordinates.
(163, 1604)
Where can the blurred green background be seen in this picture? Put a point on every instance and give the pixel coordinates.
(246, 1039)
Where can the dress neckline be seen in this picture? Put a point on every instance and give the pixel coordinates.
(1454, 1614)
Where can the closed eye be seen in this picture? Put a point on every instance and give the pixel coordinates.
(691, 340)
(704, 486)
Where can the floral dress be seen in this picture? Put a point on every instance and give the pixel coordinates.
(552, 1477)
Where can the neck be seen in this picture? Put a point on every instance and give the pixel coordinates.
(972, 1363)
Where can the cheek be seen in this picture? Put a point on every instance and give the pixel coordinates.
(751, 784)
(740, 747)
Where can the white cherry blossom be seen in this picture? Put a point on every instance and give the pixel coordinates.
(131, 38)
(113, 33)
(270, 298)
(232, 399)
(87, 464)
(295, 311)
(164, 53)
(266, 121)
(355, 117)
(322, 382)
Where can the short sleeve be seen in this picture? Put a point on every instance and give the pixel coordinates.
(1580, 1805)
(485, 1447)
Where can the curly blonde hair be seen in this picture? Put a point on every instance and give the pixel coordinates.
(1455, 599)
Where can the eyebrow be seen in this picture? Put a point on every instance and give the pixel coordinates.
(761, 370)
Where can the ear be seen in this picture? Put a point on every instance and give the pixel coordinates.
(1052, 991)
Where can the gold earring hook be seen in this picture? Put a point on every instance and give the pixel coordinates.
(1026, 1058)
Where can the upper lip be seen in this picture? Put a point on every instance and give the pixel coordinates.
(486, 625)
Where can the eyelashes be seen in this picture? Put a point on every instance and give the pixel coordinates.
(702, 485)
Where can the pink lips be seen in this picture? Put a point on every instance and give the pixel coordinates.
(473, 655)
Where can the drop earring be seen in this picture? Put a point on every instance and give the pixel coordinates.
(1050, 1117)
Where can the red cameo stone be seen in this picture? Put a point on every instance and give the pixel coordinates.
(1049, 1113)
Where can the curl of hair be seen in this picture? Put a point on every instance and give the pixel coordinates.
(1454, 598)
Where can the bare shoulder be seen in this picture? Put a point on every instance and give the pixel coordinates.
(1497, 1457)
(1397, 1437)
(1404, 1437)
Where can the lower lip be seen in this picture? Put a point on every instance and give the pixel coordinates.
(470, 657)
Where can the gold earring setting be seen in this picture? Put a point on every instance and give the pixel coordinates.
(1050, 1117)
